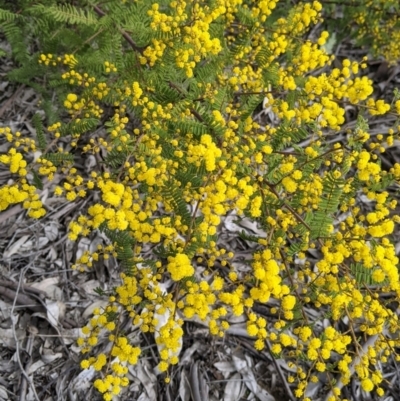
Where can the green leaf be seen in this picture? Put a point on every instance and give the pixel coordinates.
(99, 291)
(59, 158)
(41, 138)
(37, 182)
(66, 13)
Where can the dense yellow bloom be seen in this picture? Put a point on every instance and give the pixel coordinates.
(180, 266)
(367, 384)
(16, 162)
(289, 184)
(288, 302)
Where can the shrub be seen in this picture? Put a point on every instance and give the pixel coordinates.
(164, 96)
(373, 24)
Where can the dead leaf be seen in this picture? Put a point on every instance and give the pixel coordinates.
(64, 210)
(143, 397)
(56, 293)
(90, 162)
(49, 286)
(55, 311)
(233, 388)
(89, 286)
(147, 378)
(89, 310)
(7, 337)
(34, 367)
(15, 247)
(49, 356)
(70, 336)
(42, 242)
(84, 380)
(51, 231)
(187, 356)
(3, 393)
(230, 224)
(184, 387)
(52, 255)
(252, 226)
(225, 366)
(198, 384)
(83, 246)
(237, 328)
(242, 366)
(5, 310)
(94, 244)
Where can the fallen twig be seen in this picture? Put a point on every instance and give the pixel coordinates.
(21, 299)
(13, 318)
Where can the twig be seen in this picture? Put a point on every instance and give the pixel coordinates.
(282, 376)
(134, 46)
(29, 347)
(10, 212)
(3, 108)
(20, 299)
(24, 374)
(25, 288)
(295, 214)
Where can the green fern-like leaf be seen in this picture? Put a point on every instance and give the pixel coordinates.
(206, 71)
(332, 190)
(66, 13)
(194, 127)
(37, 182)
(51, 113)
(26, 72)
(288, 133)
(328, 204)
(8, 16)
(363, 275)
(192, 248)
(320, 224)
(192, 174)
(59, 158)
(124, 246)
(15, 36)
(295, 247)
(122, 238)
(115, 158)
(162, 252)
(41, 138)
(174, 197)
(263, 56)
(250, 105)
(270, 74)
(184, 283)
(78, 128)
(384, 183)
(166, 94)
(247, 237)
(245, 16)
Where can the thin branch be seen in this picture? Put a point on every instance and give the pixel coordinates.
(23, 372)
(281, 375)
(134, 46)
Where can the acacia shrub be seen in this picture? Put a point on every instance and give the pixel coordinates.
(163, 95)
